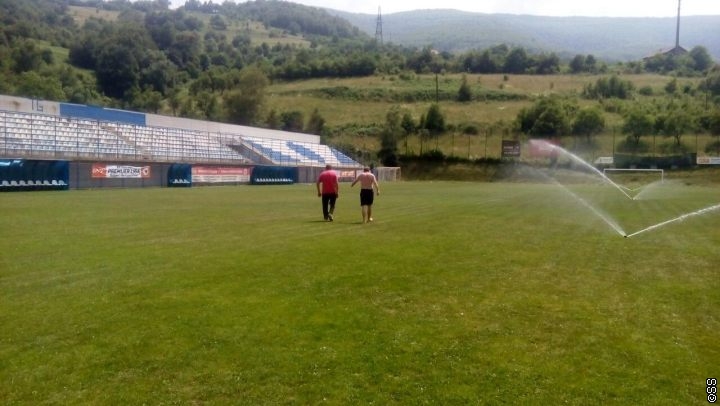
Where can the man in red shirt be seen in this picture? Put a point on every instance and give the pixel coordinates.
(329, 191)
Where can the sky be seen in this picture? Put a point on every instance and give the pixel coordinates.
(592, 8)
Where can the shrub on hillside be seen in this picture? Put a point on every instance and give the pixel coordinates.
(605, 88)
(631, 145)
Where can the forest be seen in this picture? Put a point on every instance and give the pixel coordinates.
(217, 62)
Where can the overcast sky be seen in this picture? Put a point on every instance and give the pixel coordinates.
(596, 8)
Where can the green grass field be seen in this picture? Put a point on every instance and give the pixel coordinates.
(459, 293)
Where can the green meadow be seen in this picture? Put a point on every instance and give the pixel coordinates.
(458, 293)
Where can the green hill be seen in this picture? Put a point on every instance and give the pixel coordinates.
(620, 39)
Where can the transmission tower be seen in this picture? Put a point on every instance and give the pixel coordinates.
(378, 28)
(677, 32)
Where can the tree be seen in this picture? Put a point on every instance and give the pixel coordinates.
(713, 126)
(475, 62)
(208, 105)
(588, 122)
(674, 123)
(577, 64)
(712, 81)
(605, 88)
(292, 121)
(464, 93)
(244, 104)
(185, 51)
(158, 72)
(32, 84)
(315, 124)
(547, 64)
(121, 58)
(671, 87)
(516, 61)
(117, 70)
(591, 64)
(174, 101)
(273, 120)
(218, 23)
(26, 57)
(391, 132)
(548, 117)
(409, 127)
(638, 124)
(702, 60)
(408, 124)
(147, 100)
(434, 120)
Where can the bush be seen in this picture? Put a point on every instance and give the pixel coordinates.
(605, 88)
(613, 106)
(630, 146)
(433, 156)
(646, 91)
(673, 148)
(407, 75)
(713, 148)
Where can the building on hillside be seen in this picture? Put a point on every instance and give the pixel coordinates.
(677, 50)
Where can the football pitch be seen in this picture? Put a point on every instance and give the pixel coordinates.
(458, 293)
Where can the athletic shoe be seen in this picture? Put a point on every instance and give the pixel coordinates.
(330, 217)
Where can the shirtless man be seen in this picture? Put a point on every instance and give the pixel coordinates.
(367, 183)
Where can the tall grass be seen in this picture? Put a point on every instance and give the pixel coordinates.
(458, 293)
(364, 102)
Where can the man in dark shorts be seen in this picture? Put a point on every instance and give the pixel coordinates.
(367, 184)
(328, 189)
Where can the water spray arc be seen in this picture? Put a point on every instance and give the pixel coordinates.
(585, 164)
(624, 190)
(615, 226)
(676, 219)
(609, 221)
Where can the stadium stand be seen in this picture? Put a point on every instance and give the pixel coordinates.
(284, 152)
(46, 145)
(35, 135)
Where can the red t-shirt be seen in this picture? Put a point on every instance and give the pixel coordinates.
(329, 180)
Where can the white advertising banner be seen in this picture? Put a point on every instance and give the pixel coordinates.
(120, 171)
(708, 160)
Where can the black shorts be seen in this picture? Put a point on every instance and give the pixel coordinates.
(366, 197)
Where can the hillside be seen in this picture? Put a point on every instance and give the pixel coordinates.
(611, 39)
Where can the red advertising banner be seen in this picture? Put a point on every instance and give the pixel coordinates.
(106, 171)
(221, 174)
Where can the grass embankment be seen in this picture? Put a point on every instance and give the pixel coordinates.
(458, 293)
(355, 109)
